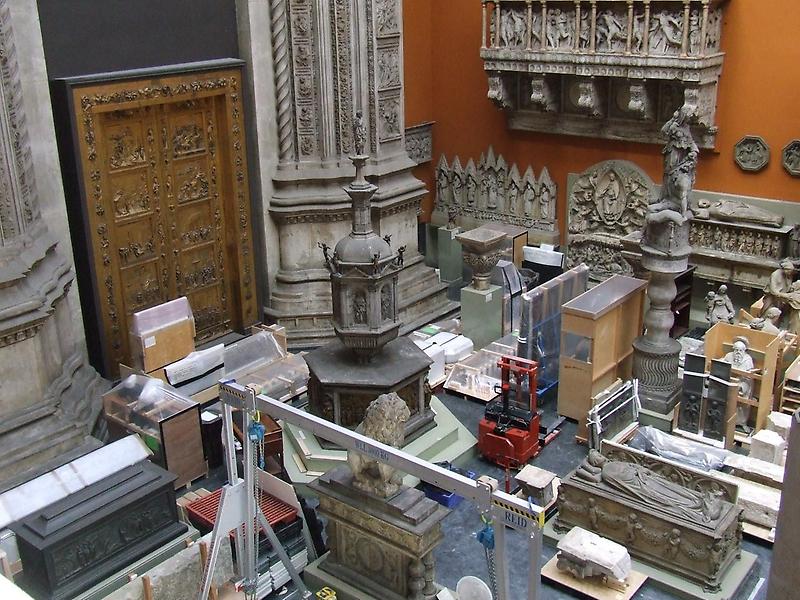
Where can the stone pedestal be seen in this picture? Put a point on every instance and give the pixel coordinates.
(340, 389)
(482, 314)
(381, 547)
(665, 252)
(431, 245)
(451, 263)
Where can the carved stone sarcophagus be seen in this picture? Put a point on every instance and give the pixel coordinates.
(679, 519)
(75, 543)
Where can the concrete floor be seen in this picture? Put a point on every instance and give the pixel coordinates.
(460, 553)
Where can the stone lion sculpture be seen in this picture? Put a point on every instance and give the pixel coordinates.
(384, 421)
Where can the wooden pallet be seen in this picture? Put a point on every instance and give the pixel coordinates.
(592, 588)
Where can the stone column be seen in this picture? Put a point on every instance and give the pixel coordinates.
(49, 395)
(665, 253)
(329, 60)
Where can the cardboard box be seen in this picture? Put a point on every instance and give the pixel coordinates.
(159, 347)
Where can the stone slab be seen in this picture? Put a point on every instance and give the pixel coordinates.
(450, 257)
(756, 470)
(655, 419)
(592, 588)
(482, 314)
(305, 459)
(759, 503)
(731, 584)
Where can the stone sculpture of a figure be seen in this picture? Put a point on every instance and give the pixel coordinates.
(680, 165)
(719, 307)
(780, 282)
(769, 323)
(643, 485)
(384, 421)
(359, 133)
(735, 211)
(792, 300)
(742, 361)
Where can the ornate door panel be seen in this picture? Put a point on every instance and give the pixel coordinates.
(164, 189)
(195, 212)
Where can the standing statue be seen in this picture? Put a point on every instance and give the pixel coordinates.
(384, 421)
(359, 133)
(780, 283)
(680, 165)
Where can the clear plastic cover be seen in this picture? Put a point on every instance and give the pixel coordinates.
(252, 353)
(144, 402)
(281, 380)
(160, 316)
(687, 452)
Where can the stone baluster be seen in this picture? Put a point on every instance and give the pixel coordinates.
(646, 29)
(629, 40)
(544, 24)
(704, 29)
(593, 28)
(416, 580)
(484, 24)
(686, 25)
(529, 28)
(430, 587)
(496, 42)
(577, 42)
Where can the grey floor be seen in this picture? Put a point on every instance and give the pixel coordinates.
(460, 553)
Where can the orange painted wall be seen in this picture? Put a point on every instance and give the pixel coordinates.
(759, 94)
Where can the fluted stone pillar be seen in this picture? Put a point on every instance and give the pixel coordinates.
(49, 395)
(327, 61)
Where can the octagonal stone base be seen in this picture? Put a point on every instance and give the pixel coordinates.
(340, 388)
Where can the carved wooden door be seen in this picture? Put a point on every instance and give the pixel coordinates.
(165, 191)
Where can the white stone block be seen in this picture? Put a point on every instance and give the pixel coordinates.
(780, 423)
(768, 446)
(611, 559)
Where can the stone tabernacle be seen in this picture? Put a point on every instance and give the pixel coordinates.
(367, 359)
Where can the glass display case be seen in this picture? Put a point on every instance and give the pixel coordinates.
(539, 336)
(597, 332)
(168, 422)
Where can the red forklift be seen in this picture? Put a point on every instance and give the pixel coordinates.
(508, 433)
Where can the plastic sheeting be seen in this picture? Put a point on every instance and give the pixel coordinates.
(687, 452)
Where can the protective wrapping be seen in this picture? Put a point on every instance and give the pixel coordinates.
(687, 452)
